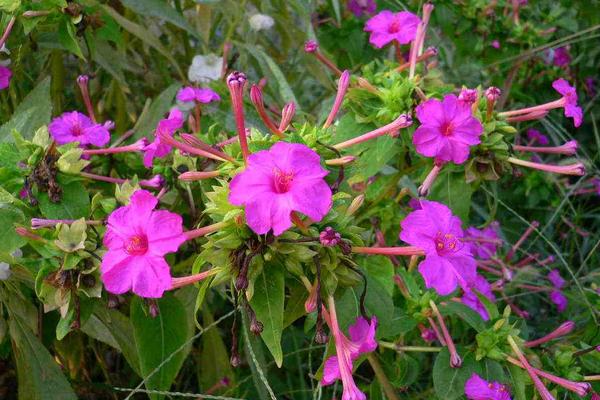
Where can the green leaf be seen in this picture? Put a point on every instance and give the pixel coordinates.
(518, 379)
(449, 383)
(294, 307)
(71, 161)
(34, 111)
(452, 189)
(160, 9)
(465, 313)
(68, 38)
(267, 302)
(39, 377)
(158, 338)
(213, 360)
(10, 6)
(74, 204)
(159, 107)
(9, 216)
(121, 329)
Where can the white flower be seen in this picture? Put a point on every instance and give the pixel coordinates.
(205, 68)
(259, 22)
(4, 271)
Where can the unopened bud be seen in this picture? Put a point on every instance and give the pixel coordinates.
(355, 205)
(310, 46)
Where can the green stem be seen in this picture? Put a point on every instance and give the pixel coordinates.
(381, 377)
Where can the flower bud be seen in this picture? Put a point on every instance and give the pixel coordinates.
(310, 46)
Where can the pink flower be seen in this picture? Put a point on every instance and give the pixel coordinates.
(561, 57)
(137, 238)
(362, 340)
(477, 388)
(559, 300)
(287, 177)
(470, 299)
(483, 242)
(536, 136)
(158, 149)
(572, 110)
(388, 26)
(557, 281)
(5, 75)
(448, 129)
(76, 127)
(199, 95)
(360, 7)
(468, 96)
(448, 262)
(496, 44)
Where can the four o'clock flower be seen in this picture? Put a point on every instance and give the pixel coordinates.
(198, 95)
(76, 127)
(361, 7)
(568, 101)
(387, 27)
(5, 75)
(559, 299)
(157, 148)
(448, 262)
(448, 129)
(557, 281)
(362, 340)
(276, 182)
(137, 238)
(483, 242)
(470, 299)
(477, 388)
(533, 135)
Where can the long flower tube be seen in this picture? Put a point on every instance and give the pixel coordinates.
(569, 148)
(343, 84)
(166, 138)
(188, 280)
(577, 169)
(257, 99)
(156, 182)
(390, 251)
(564, 329)
(403, 121)
(134, 147)
(455, 360)
(541, 388)
(194, 141)
(236, 82)
(205, 230)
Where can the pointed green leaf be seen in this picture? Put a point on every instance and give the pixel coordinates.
(267, 302)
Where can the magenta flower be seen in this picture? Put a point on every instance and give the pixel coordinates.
(484, 242)
(557, 281)
(572, 110)
(468, 96)
(5, 75)
(199, 95)
(448, 262)
(496, 44)
(287, 177)
(562, 57)
(361, 7)
(137, 238)
(477, 388)
(448, 129)
(158, 149)
(536, 136)
(387, 26)
(559, 299)
(362, 340)
(470, 299)
(76, 127)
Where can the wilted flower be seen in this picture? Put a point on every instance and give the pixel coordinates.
(477, 388)
(557, 281)
(199, 95)
(468, 96)
(259, 22)
(158, 149)
(4, 271)
(329, 237)
(448, 129)
(483, 242)
(5, 75)
(77, 127)
(536, 136)
(287, 177)
(559, 299)
(137, 238)
(448, 262)
(470, 299)
(387, 26)
(360, 7)
(205, 68)
(562, 57)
